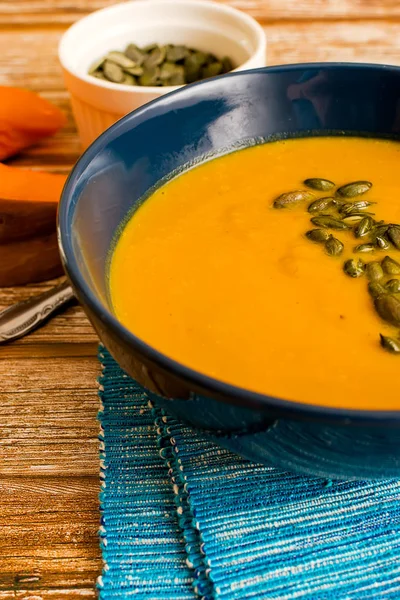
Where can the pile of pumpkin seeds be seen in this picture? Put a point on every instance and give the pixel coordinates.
(156, 65)
(345, 208)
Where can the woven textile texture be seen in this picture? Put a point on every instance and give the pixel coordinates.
(183, 518)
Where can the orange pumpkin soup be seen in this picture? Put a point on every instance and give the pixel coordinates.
(208, 272)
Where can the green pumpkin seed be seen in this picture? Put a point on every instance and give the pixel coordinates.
(290, 199)
(113, 72)
(374, 271)
(393, 286)
(193, 64)
(364, 248)
(390, 266)
(388, 308)
(135, 71)
(333, 246)
(99, 75)
(227, 64)
(353, 219)
(149, 48)
(355, 207)
(129, 80)
(390, 344)
(328, 222)
(354, 268)
(120, 59)
(356, 188)
(376, 289)
(96, 66)
(364, 227)
(318, 235)
(322, 185)
(320, 205)
(167, 70)
(210, 58)
(150, 77)
(155, 58)
(380, 229)
(176, 53)
(135, 54)
(394, 235)
(178, 78)
(381, 243)
(211, 70)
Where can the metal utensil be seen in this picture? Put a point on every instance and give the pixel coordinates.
(23, 317)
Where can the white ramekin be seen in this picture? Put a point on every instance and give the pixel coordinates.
(201, 24)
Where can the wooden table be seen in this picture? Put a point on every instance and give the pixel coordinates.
(48, 402)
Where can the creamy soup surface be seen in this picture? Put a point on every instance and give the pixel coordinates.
(210, 274)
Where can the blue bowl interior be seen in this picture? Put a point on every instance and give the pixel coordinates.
(210, 118)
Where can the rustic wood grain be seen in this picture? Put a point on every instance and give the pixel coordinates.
(40, 12)
(48, 400)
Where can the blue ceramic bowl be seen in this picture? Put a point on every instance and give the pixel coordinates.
(142, 149)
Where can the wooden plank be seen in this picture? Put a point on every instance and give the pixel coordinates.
(39, 12)
(44, 548)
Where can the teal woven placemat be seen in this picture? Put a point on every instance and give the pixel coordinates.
(183, 518)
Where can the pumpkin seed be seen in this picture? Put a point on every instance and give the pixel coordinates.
(149, 48)
(129, 80)
(289, 199)
(178, 78)
(364, 227)
(364, 248)
(227, 64)
(155, 58)
(353, 189)
(150, 77)
(193, 64)
(381, 243)
(135, 71)
(99, 75)
(320, 205)
(121, 60)
(376, 289)
(353, 219)
(328, 222)
(167, 70)
(316, 183)
(374, 271)
(333, 246)
(390, 344)
(176, 53)
(211, 70)
(135, 54)
(388, 308)
(211, 58)
(394, 235)
(393, 286)
(390, 266)
(96, 66)
(354, 207)
(380, 229)
(318, 235)
(354, 268)
(113, 72)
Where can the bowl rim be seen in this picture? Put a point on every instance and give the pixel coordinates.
(212, 5)
(210, 386)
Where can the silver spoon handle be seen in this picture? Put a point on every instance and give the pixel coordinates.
(23, 317)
